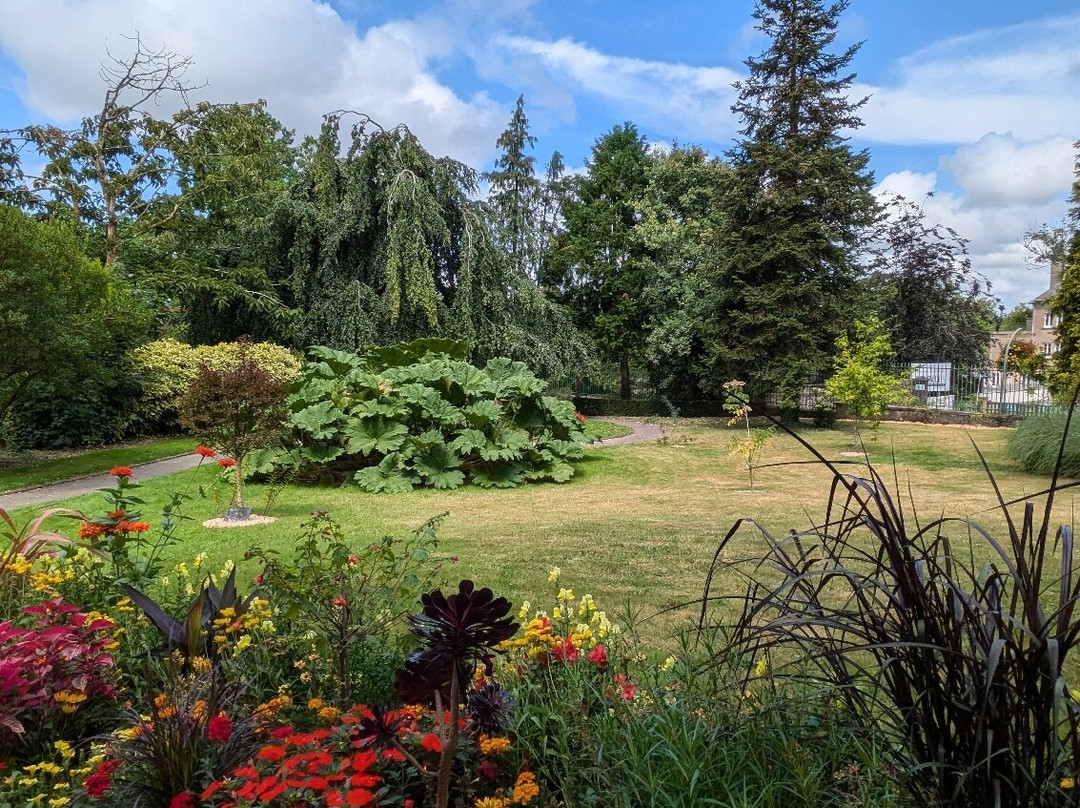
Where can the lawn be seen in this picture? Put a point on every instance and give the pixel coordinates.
(639, 523)
(28, 469)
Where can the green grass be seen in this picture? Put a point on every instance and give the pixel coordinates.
(638, 524)
(29, 469)
(605, 429)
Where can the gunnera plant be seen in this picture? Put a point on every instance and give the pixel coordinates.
(963, 650)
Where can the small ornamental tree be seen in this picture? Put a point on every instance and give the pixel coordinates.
(861, 381)
(235, 411)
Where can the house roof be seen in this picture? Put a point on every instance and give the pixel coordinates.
(1044, 297)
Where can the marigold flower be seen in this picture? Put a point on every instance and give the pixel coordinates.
(226, 462)
(204, 451)
(525, 789)
(493, 746)
(329, 714)
(492, 802)
(219, 728)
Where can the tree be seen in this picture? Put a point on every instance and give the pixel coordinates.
(798, 198)
(237, 411)
(515, 193)
(936, 306)
(1019, 317)
(59, 309)
(597, 263)
(385, 245)
(1066, 303)
(679, 218)
(115, 168)
(862, 380)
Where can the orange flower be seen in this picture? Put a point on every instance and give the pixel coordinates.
(226, 462)
(90, 530)
(116, 514)
(121, 471)
(204, 451)
(132, 527)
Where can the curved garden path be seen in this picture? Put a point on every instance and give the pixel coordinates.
(53, 492)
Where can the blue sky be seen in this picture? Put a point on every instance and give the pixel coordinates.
(977, 101)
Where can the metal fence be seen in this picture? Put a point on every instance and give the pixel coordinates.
(934, 385)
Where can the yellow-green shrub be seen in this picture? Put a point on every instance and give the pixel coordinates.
(166, 367)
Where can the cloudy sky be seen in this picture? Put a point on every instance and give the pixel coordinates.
(977, 101)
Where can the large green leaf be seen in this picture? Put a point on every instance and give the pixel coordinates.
(321, 421)
(483, 413)
(498, 475)
(513, 379)
(409, 353)
(506, 443)
(376, 434)
(338, 362)
(387, 477)
(377, 406)
(438, 465)
(469, 441)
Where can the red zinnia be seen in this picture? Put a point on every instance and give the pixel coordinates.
(185, 799)
(219, 728)
(226, 462)
(121, 471)
(204, 451)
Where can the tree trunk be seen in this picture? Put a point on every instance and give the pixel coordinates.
(624, 375)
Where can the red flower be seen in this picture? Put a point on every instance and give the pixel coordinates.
(204, 451)
(99, 781)
(341, 601)
(431, 743)
(185, 799)
(489, 768)
(598, 655)
(132, 527)
(565, 652)
(121, 471)
(627, 688)
(580, 416)
(219, 728)
(226, 462)
(260, 579)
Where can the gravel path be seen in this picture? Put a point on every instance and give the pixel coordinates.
(53, 492)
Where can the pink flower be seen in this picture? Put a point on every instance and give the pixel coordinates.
(219, 728)
(598, 655)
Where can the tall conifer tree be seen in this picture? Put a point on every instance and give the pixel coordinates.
(797, 198)
(515, 193)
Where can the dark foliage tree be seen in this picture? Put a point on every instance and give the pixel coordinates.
(797, 199)
(597, 265)
(515, 195)
(1019, 317)
(386, 245)
(935, 305)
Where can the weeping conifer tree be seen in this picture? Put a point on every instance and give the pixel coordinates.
(386, 244)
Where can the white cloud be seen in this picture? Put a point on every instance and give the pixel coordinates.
(1021, 79)
(999, 170)
(692, 103)
(300, 55)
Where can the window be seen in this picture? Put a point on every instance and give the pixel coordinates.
(1048, 320)
(1048, 349)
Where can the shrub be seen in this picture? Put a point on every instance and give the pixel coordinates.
(236, 410)
(964, 662)
(1037, 440)
(166, 368)
(436, 422)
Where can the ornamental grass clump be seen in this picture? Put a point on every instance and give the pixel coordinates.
(966, 662)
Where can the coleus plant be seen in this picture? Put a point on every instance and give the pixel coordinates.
(456, 632)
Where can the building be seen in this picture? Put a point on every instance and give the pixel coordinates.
(1041, 328)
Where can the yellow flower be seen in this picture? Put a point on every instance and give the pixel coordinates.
(492, 802)
(565, 595)
(316, 704)
(553, 575)
(329, 714)
(1068, 783)
(525, 789)
(556, 613)
(493, 746)
(523, 612)
(65, 750)
(49, 768)
(59, 802)
(69, 701)
(200, 664)
(761, 668)
(243, 642)
(669, 663)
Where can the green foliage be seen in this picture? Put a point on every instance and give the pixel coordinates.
(1026, 359)
(64, 325)
(782, 281)
(1019, 317)
(737, 405)
(348, 602)
(437, 422)
(861, 381)
(597, 265)
(166, 368)
(1036, 441)
(387, 245)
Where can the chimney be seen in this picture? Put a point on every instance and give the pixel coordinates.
(1055, 274)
